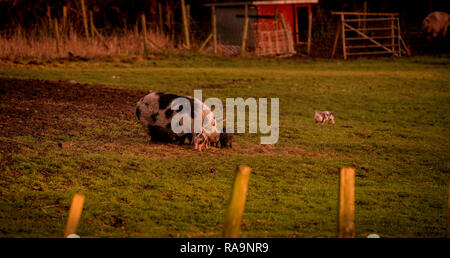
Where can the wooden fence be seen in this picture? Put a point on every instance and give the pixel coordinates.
(235, 209)
(369, 34)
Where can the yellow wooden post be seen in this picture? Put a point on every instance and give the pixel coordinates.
(214, 31)
(144, 33)
(347, 203)
(364, 16)
(57, 37)
(49, 17)
(64, 18)
(185, 25)
(161, 23)
(91, 23)
(308, 44)
(83, 11)
(244, 32)
(344, 48)
(398, 38)
(188, 15)
(74, 214)
(393, 36)
(448, 211)
(233, 216)
(210, 36)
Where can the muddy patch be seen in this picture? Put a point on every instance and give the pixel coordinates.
(102, 117)
(33, 107)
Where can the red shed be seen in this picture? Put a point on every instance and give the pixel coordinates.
(297, 15)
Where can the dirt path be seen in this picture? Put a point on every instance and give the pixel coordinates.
(31, 107)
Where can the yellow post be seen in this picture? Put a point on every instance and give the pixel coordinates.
(347, 203)
(448, 211)
(85, 22)
(161, 23)
(188, 14)
(91, 23)
(210, 36)
(144, 33)
(308, 44)
(232, 227)
(57, 37)
(364, 11)
(214, 31)
(74, 214)
(49, 17)
(344, 48)
(64, 18)
(185, 25)
(244, 32)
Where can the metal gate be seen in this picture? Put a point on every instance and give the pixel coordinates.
(369, 34)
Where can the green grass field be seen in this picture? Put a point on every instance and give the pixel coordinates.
(392, 126)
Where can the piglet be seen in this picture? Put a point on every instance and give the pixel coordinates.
(324, 117)
(226, 140)
(200, 140)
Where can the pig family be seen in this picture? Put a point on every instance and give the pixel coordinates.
(155, 113)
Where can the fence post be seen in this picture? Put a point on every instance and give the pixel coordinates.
(344, 48)
(57, 37)
(205, 42)
(214, 31)
(161, 23)
(83, 10)
(244, 32)
(49, 17)
(64, 23)
(308, 44)
(91, 23)
(185, 25)
(74, 214)
(144, 33)
(393, 36)
(188, 15)
(364, 15)
(448, 211)
(347, 203)
(233, 216)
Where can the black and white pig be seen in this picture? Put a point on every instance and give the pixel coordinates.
(155, 113)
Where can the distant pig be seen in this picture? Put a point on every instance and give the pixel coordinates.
(324, 117)
(435, 23)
